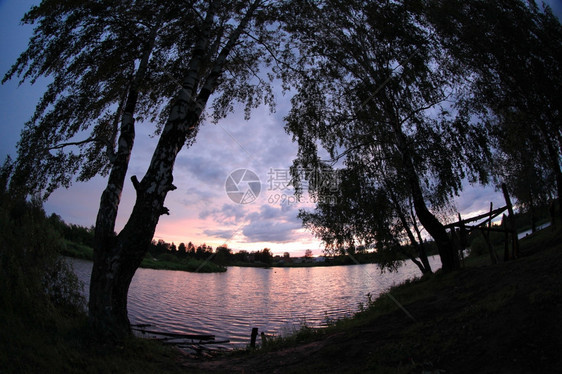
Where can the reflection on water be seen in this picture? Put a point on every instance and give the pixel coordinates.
(230, 304)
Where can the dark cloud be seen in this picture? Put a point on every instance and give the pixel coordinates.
(267, 212)
(203, 169)
(278, 151)
(219, 233)
(272, 224)
(271, 231)
(228, 214)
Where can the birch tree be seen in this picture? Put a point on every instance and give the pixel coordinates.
(376, 89)
(111, 64)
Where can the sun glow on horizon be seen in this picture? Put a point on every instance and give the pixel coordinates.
(197, 231)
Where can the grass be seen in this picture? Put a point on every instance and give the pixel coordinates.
(192, 265)
(63, 344)
(72, 249)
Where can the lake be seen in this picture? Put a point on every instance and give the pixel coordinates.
(228, 305)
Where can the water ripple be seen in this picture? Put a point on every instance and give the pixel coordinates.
(230, 304)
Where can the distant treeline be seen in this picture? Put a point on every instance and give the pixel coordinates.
(222, 255)
(80, 241)
(77, 237)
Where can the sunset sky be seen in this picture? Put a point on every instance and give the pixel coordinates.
(200, 209)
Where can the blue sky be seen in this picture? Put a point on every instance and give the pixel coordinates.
(200, 210)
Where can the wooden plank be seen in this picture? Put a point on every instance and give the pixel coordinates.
(494, 214)
(183, 340)
(505, 238)
(176, 335)
(495, 229)
(206, 343)
(493, 255)
(253, 337)
(515, 241)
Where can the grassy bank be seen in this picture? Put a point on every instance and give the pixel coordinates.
(193, 265)
(62, 344)
(162, 262)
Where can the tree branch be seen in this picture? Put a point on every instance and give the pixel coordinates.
(279, 62)
(62, 145)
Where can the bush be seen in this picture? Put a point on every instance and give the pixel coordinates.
(168, 257)
(478, 247)
(35, 277)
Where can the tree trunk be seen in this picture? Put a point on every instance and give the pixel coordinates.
(423, 264)
(558, 175)
(513, 228)
(532, 212)
(118, 257)
(107, 255)
(116, 262)
(418, 263)
(447, 253)
(421, 245)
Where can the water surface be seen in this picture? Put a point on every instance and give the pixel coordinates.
(276, 301)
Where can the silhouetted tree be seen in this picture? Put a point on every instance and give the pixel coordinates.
(242, 256)
(112, 62)
(374, 89)
(513, 50)
(182, 250)
(223, 255)
(37, 282)
(162, 246)
(264, 256)
(191, 249)
(201, 251)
